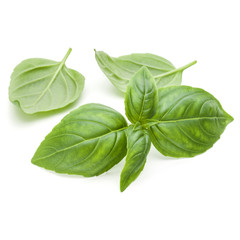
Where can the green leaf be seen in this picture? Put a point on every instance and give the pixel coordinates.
(141, 98)
(40, 85)
(138, 146)
(120, 70)
(88, 141)
(189, 121)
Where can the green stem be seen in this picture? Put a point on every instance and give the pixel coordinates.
(176, 70)
(66, 56)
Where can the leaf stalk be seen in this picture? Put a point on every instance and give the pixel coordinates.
(176, 70)
(66, 55)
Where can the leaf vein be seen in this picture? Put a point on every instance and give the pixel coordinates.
(74, 145)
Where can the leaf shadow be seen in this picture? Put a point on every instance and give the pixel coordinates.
(111, 90)
(156, 155)
(115, 171)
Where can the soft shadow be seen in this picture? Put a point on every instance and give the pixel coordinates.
(112, 90)
(65, 175)
(115, 171)
(115, 91)
(154, 154)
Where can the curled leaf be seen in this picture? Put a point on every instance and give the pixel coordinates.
(120, 70)
(40, 85)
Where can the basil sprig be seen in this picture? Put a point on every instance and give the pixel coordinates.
(120, 70)
(41, 85)
(180, 121)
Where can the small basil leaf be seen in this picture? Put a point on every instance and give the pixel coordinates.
(88, 141)
(138, 146)
(120, 70)
(141, 98)
(40, 85)
(189, 121)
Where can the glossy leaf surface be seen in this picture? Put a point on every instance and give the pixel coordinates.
(141, 98)
(138, 146)
(189, 121)
(120, 70)
(40, 85)
(88, 141)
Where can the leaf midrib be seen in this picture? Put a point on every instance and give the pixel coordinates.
(72, 146)
(183, 119)
(49, 84)
(109, 68)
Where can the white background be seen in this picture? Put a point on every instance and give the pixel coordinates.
(172, 199)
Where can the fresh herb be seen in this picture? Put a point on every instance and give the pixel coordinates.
(88, 141)
(181, 121)
(120, 70)
(138, 146)
(40, 85)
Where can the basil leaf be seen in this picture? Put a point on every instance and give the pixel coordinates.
(40, 85)
(120, 70)
(141, 98)
(189, 121)
(88, 141)
(138, 146)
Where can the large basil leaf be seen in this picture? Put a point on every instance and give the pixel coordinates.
(189, 121)
(40, 85)
(120, 70)
(88, 141)
(138, 146)
(141, 98)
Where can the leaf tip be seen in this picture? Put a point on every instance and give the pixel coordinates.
(144, 68)
(143, 71)
(123, 183)
(123, 187)
(33, 160)
(229, 119)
